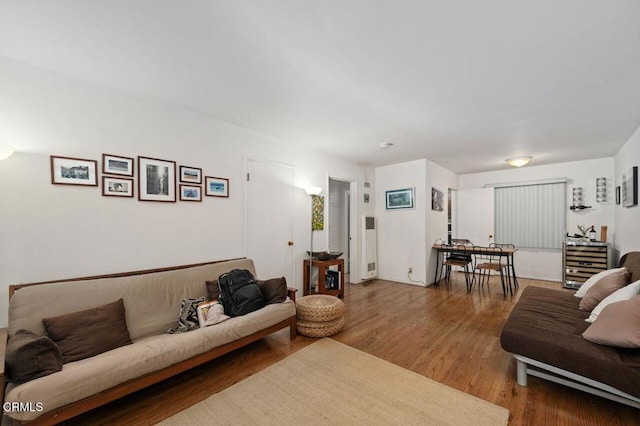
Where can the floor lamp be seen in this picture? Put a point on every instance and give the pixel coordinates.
(313, 191)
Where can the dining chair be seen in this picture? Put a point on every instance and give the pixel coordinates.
(509, 264)
(490, 259)
(457, 256)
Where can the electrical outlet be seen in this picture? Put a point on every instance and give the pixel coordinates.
(410, 270)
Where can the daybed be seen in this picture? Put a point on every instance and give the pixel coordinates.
(152, 301)
(544, 333)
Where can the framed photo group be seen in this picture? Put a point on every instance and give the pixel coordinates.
(157, 179)
(120, 185)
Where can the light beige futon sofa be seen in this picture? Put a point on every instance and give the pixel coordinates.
(152, 302)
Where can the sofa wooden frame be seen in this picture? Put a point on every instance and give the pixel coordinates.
(82, 406)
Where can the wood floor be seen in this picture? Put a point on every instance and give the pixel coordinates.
(443, 333)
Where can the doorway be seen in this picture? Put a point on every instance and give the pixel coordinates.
(340, 220)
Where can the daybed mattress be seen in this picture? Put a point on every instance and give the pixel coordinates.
(546, 325)
(89, 376)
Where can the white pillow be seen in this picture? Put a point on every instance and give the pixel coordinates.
(625, 293)
(594, 279)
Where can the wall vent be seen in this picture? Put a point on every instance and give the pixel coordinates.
(369, 248)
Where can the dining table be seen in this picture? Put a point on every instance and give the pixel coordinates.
(506, 252)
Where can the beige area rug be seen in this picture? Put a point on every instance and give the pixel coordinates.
(333, 384)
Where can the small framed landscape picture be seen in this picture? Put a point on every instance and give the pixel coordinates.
(115, 165)
(190, 175)
(73, 171)
(117, 187)
(190, 193)
(399, 199)
(156, 180)
(216, 187)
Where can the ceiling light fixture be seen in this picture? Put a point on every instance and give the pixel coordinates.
(386, 145)
(519, 161)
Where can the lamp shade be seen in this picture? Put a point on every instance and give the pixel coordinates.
(519, 161)
(313, 190)
(5, 151)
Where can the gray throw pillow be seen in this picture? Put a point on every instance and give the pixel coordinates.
(29, 356)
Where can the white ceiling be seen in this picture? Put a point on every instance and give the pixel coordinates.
(464, 83)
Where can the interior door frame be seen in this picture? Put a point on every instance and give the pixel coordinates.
(247, 160)
(354, 251)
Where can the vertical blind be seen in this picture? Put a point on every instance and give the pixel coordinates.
(531, 216)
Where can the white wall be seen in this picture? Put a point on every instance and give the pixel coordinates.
(54, 231)
(547, 264)
(436, 222)
(401, 233)
(627, 219)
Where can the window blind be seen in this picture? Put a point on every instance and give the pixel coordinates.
(531, 216)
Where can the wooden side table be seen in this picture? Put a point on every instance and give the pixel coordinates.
(322, 266)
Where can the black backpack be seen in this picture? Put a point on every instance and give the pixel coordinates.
(239, 293)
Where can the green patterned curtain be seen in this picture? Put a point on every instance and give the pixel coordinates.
(317, 214)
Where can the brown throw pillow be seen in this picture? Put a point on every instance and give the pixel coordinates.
(602, 289)
(212, 289)
(87, 333)
(29, 356)
(274, 290)
(617, 325)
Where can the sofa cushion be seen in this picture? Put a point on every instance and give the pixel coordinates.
(152, 298)
(29, 356)
(618, 325)
(591, 281)
(90, 332)
(624, 293)
(603, 288)
(188, 317)
(274, 290)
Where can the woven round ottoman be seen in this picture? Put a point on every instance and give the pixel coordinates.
(319, 315)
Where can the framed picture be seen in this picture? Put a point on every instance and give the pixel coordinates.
(630, 187)
(190, 175)
(190, 193)
(115, 165)
(157, 180)
(317, 212)
(216, 187)
(437, 201)
(399, 199)
(117, 187)
(73, 171)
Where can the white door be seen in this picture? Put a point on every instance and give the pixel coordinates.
(269, 218)
(475, 216)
